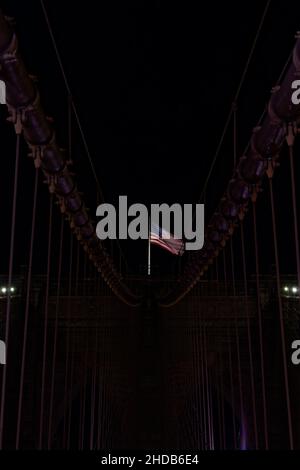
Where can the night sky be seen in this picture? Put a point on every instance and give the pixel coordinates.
(153, 83)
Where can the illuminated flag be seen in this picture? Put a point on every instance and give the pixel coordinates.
(161, 237)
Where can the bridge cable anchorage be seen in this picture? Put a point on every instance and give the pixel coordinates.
(73, 107)
(54, 354)
(45, 332)
(18, 129)
(271, 163)
(27, 305)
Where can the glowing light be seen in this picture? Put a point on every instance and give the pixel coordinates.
(294, 290)
(3, 290)
(286, 289)
(12, 289)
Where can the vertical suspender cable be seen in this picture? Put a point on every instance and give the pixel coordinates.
(98, 382)
(45, 335)
(199, 394)
(27, 304)
(66, 404)
(281, 319)
(222, 398)
(232, 391)
(296, 234)
(234, 108)
(223, 427)
(84, 391)
(105, 367)
(249, 337)
(196, 372)
(73, 353)
(260, 329)
(10, 273)
(230, 362)
(204, 399)
(71, 391)
(211, 410)
(192, 317)
(210, 431)
(93, 392)
(237, 337)
(225, 272)
(98, 294)
(101, 381)
(55, 333)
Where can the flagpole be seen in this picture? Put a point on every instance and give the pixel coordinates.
(149, 247)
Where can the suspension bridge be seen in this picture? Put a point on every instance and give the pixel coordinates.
(101, 357)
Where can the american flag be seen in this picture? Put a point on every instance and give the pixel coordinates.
(161, 237)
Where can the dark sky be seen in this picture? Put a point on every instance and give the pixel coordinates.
(153, 82)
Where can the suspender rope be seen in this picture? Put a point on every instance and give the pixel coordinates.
(223, 427)
(66, 406)
(199, 394)
(86, 364)
(232, 392)
(281, 319)
(249, 337)
(260, 327)
(204, 398)
(55, 333)
(237, 337)
(290, 141)
(230, 362)
(45, 335)
(27, 305)
(10, 273)
(93, 394)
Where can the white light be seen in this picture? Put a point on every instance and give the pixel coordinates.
(294, 290)
(3, 290)
(12, 289)
(286, 289)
